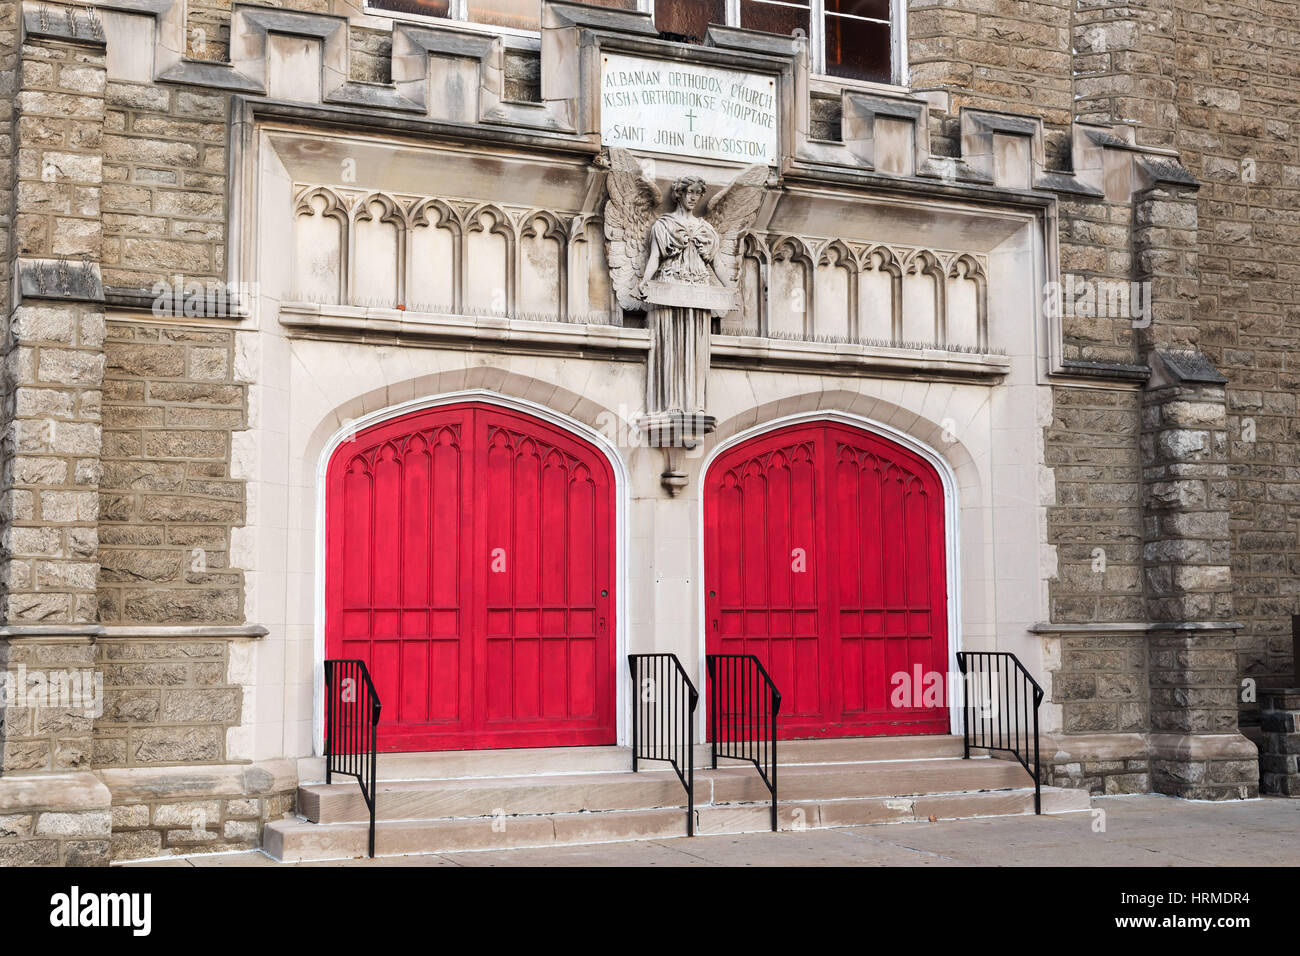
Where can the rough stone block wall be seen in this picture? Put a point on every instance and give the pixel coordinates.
(1011, 55)
(1126, 61)
(1280, 757)
(1127, 775)
(1097, 252)
(54, 821)
(8, 77)
(1239, 132)
(164, 208)
(1095, 524)
(53, 362)
(177, 827)
(48, 728)
(168, 502)
(1101, 684)
(165, 702)
(210, 811)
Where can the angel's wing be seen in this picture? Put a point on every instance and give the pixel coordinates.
(629, 214)
(732, 212)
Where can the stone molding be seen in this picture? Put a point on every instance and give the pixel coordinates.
(182, 632)
(130, 784)
(495, 332)
(89, 633)
(451, 75)
(1133, 627)
(51, 633)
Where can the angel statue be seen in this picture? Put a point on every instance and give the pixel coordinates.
(681, 268)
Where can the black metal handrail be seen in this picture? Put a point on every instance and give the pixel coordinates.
(351, 729)
(663, 719)
(743, 704)
(1000, 704)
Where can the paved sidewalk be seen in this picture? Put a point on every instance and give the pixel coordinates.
(1145, 830)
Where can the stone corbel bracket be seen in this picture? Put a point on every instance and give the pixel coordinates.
(1108, 160)
(1007, 150)
(887, 134)
(459, 77)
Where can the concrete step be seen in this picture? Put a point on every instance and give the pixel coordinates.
(858, 749)
(650, 789)
(485, 763)
(867, 811)
(570, 760)
(480, 796)
(296, 840)
(842, 780)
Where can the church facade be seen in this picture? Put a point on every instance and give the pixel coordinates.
(490, 342)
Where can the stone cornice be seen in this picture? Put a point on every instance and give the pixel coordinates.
(452, 80)
(89, 633)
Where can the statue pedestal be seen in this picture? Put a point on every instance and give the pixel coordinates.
(676, 429)
(675, 432)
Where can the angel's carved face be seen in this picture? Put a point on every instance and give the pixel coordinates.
(688, 192)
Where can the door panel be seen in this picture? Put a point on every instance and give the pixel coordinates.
(824, 556)
(470, 564)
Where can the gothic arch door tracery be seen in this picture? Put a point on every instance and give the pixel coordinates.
(470, 563)
(825, 556)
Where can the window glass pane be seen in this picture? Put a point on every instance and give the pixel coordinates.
(877, 9)
(783, 18)
(520, 14)
(425, 8)
(689, 18)
(857, 49)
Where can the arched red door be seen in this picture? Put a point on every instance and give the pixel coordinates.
(470, 564)
(825, 557)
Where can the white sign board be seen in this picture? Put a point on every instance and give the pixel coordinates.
(689, 110)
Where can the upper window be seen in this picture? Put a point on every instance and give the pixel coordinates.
(853, 39)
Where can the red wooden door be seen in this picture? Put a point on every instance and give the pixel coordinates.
(824, 556)
(470, 565)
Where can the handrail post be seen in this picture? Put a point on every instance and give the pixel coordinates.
(776, 705)
(1038, 777)
(690, 764)
(636, 707)
(966, 709)
(713, 709)
(329, 723)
